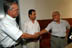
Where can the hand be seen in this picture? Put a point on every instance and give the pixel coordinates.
(34, 36)
(37, 34)
(27, 36)
(24, 35)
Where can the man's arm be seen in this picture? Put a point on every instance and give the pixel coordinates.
(67, 32)
(68, 29)
(27, 36)
(49, 27)
(41, 32)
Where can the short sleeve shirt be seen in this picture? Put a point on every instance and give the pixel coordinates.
(58, 29)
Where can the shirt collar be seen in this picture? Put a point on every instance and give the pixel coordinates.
(31, 21)
(60, 21)
(9, 17)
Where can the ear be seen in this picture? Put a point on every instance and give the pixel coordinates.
(29, 15)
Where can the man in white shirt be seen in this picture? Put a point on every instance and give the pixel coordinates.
(59, 29)
(31, 27)
(9, 30)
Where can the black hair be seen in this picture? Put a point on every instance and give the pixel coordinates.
(30, 11)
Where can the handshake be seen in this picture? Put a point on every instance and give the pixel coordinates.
(28, 36)
(34, 36)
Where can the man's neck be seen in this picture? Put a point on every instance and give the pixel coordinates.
(10, 15)
(32, 21)
(58, 21)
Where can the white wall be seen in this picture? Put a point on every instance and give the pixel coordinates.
(44, 8)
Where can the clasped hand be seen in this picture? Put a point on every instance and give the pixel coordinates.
(27, 36)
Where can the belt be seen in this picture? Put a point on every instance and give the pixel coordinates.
(32, 40)
(13, 46)
(8, 47)
(58, 37)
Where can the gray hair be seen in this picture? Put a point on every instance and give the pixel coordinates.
(7, 5)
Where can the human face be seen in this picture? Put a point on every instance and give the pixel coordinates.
(56, 16)
(14, 12)
(33, 16)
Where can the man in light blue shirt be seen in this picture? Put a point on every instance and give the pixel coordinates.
(59, 28)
